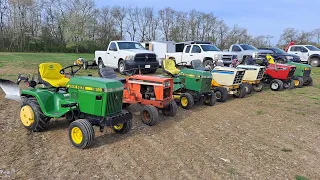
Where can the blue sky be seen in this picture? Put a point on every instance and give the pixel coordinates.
(259, 17)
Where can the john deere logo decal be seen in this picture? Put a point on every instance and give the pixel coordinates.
(50, 66)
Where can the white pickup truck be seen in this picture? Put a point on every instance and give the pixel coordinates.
(207, 53)
(126, 56)
(244, 51)
(307, 53)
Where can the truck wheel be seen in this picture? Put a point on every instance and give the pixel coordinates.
(81, 133)
(32, 117)
(186, 100)
(210, 100)
(241, 92)
(257, 87)
(276, 85)
(100, 64)
(298, 82)
(309, 82)
(248, 87)
(122, 67)
(208, 64)
(123, 128)
(315, 62)
(221, 94)
(170, 109)
(149, 115)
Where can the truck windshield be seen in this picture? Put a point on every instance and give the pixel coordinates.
(248, 47)
(279, 51)
(209, 48)
(313, 48)
(130, 45)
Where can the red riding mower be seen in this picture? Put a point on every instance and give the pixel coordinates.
(154, 93)
(279, 76)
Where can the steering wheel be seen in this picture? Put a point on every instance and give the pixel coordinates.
(182, 64)
(72, 73)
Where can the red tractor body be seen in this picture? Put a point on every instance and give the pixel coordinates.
(280, 71)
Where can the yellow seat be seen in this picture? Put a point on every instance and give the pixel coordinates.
(50, 75)
(270, 59)
(170, 67)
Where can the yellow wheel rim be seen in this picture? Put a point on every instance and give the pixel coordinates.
(184, 101)
(296, 82)
(118, 127)
(76, 135)
(27, 116)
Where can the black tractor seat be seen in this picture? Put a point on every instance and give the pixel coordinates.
(197, 64)
(109, 73)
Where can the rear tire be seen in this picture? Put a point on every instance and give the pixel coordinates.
(309, 82)
(210, 100)
(248, 87)
(315, 62)
(121, 67)
(123, 128)
(241, 92)
(100, 64)
(81, 133)
(170, 109)
(276, 85)
(298, 82)
(257, 87)
(221, 94)
(149, 115)
(186, 100)
(32, 116)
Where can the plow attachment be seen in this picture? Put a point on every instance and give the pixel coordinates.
(11, 89)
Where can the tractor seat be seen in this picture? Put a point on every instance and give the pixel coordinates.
(169, 66)
(109, 73)
(270, 59)
(49, 75)
(197, 64)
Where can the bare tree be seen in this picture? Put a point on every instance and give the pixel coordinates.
(316, 35)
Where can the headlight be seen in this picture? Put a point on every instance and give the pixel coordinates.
(217, 57)
(166, 84)
(289, 57)
(255, 55)
(129, 58)
(306, 69)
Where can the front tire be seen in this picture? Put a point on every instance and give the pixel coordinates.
(309, 82)
(170, 109)
(248, 88)
(121, 67)
(32, 116)
(241, 92)
(298, 82)
(81, 133)
(315, 62)
(257, 87)
(210, 100)
(276, 85)
(186, 100)
(149, 115)
(100, 64)
(221, 94)
(123, 128)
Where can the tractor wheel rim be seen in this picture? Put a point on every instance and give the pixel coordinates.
(296, 82)
(146, 116)
(76, 135)
(27, 116)
(121, 68)
(184, 101)
(100, 65)
(118, 127)
(218, 95)
(275, 86)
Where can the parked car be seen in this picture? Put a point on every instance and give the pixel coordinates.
(207, 53)
(244, 51)
(307, 53)
(127, 57)
(279, 55)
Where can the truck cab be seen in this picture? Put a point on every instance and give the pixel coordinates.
(127, 56)
(307, 53)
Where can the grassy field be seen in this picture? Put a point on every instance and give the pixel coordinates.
(267, 135)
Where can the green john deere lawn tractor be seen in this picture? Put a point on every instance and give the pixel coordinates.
(190, 85)
(83, 101)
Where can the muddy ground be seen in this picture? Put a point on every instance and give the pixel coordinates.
(268, 135)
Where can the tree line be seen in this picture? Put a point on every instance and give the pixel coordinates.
(81, 26)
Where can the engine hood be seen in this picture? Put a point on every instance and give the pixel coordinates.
(136, 51)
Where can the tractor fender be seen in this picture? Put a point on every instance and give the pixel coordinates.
(52, 109)
(313, 56)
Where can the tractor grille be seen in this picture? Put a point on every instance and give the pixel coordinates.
(206, 84)
(291, 72)
(145, 57)
(260, 74)
(306, 72)
(239, 77)
(114, 102)
(166, 93)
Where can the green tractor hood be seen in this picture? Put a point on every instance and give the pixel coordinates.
(90, 83)
(301, 69)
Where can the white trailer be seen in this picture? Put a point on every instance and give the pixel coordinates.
(160, 48)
